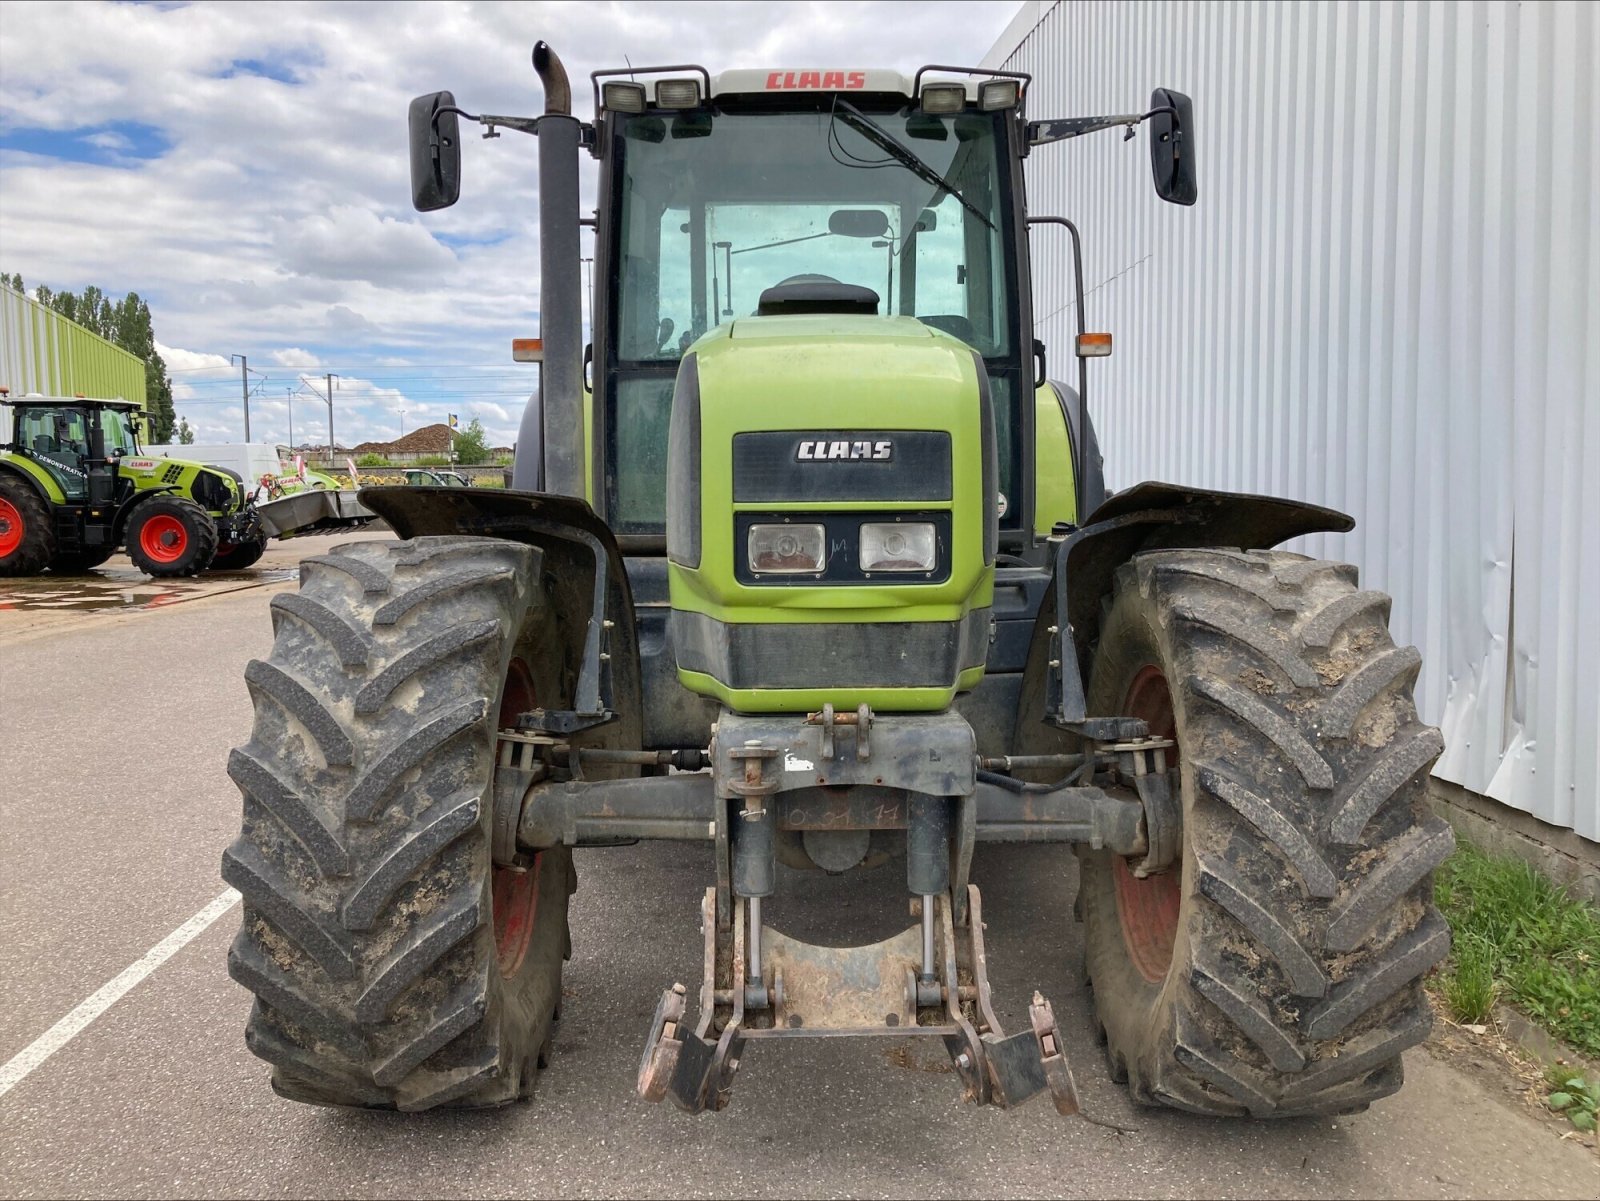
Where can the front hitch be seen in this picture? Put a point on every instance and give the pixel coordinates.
(803, 991)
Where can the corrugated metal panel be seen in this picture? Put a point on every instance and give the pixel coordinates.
(41, 351)
(1386, 300)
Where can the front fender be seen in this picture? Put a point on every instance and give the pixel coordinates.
(582, 565)
(1155, 516)
(25, 469)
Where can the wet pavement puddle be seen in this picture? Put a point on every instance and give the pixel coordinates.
(124, 589)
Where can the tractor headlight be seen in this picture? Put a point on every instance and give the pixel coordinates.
(787, 549)
(898, 546)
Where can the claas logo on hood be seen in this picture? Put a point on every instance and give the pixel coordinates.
(818, 450)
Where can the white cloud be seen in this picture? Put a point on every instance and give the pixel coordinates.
(293, 356)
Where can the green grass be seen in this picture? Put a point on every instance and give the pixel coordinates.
(1520, 938)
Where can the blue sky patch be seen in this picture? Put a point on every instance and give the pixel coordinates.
(266, 70)
(118, 143)
(462, 241)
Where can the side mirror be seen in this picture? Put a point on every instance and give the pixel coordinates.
(435, 152)
(1172, 147)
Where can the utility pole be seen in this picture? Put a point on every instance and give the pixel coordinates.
(244, 381)
(290, 393)
(332, 380)
(327, 396)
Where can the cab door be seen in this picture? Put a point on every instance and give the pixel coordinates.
(58, 440)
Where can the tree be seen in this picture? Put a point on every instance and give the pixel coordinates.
(185, 432)
(127, 323)
(472, 444)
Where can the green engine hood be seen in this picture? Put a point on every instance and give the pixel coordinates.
(756, 402)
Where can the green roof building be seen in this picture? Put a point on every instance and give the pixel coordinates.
(42, 351)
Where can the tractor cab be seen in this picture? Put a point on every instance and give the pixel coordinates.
(78, 442)
(834, 203)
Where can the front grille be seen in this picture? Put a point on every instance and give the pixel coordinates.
(774, 466)
(889, 654)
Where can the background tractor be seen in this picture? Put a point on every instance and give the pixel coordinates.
(74, 487)
(808, 562)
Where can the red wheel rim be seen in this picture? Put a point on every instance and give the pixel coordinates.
(163, 538)
(1148, 908)
(10, 528)
(516, 893)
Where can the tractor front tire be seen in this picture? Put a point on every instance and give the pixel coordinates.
(394, 964)
(1277, 971)
(170, 535)
(236, 556)
(27, 539)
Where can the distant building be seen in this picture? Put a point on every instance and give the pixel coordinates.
(41, 351)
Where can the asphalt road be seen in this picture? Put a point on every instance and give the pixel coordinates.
(119, 700)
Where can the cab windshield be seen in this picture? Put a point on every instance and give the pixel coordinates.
(716, 207)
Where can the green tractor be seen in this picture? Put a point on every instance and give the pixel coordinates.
(74, 487)
(809, 563)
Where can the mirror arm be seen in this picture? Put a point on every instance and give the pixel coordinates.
(520, 124)
(1042, 133)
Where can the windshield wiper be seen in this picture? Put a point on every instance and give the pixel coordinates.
(870, 129)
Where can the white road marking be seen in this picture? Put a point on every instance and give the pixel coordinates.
(109, 993)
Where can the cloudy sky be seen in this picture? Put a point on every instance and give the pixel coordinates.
(243, 167)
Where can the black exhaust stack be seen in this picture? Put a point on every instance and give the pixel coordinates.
(556, 422)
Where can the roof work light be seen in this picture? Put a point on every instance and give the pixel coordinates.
(998, 93)
(678, 93)
(623, 96)
(943, 97)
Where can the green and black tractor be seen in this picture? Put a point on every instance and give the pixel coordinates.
(74, 487)
(808, 562)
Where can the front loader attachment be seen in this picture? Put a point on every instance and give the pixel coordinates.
(882, 990)
(313, 512)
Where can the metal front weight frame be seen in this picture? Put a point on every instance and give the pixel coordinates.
(833, 772)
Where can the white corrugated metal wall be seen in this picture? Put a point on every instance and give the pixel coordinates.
(1387, 300)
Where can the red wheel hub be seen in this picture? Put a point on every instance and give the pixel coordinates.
(516, 893)
(1148, 908)
(163, 538)
(10, 528)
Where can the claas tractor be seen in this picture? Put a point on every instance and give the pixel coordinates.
(808, 563)
(74, 486)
